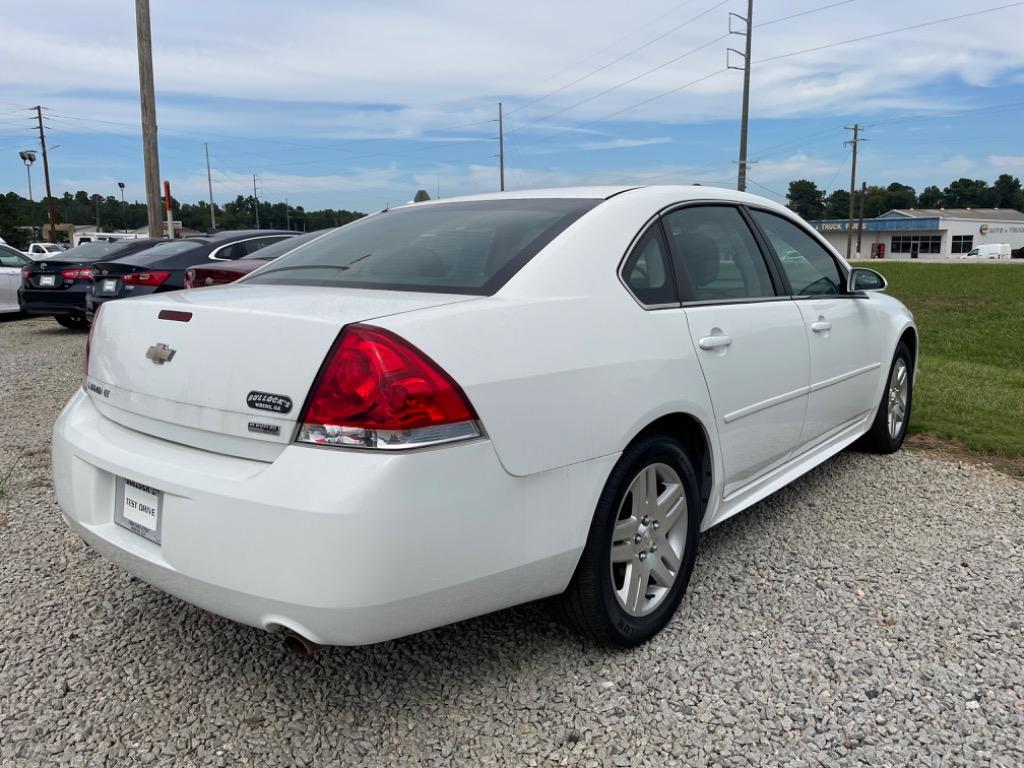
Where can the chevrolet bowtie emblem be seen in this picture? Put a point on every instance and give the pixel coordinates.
(160, 354)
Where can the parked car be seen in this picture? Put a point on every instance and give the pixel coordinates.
(451, 407)
(163, 268)
(59, 286)
(989, 251)
(11, 263)
(40, 251)
(1017, 253)
(221, 273)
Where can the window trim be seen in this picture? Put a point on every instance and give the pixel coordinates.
(844, 273)
(213, 254)
(686, 289)
(654, 221)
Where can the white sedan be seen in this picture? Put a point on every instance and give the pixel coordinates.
(448, 408)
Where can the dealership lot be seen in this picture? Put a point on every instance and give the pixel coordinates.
(869, 614)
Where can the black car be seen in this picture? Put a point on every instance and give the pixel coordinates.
(163, 268)
(59, 286)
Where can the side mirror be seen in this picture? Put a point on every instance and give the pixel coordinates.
(862, 279)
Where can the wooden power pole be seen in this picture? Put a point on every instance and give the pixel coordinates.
(501, 147)
(50, 210)
(147, 101)
(853, 186)
(741, 179)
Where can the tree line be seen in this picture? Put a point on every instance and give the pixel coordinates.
(18, 215)
(810, 202)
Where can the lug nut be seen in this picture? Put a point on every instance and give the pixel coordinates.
(638, 538)
(657, 525)
(645, 520)
(654, 547)
(642, 555)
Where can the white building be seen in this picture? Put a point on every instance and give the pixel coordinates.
(927, 233)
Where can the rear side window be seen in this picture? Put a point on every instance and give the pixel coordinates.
(473, 247)
(718, 253)
(648, 272)
(811, 270)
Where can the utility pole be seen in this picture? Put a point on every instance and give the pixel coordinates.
(255, 201)
(51, 211)
(147, 102)
(860, 224)
(741, 179)
(97, 213)
(853, 186)
(501, 146)
(287, 219)
(209, 184)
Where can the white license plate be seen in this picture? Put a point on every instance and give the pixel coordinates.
(47, 281)
(137, 508)
(109, 286)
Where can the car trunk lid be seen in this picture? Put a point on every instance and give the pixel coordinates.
(226, 369)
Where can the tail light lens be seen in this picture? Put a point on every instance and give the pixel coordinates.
(25, 272)
(376, 390)
(145, 278)
(77, 274)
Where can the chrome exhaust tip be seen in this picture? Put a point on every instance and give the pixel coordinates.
(299, 645)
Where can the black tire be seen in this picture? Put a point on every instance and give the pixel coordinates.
(589, 605)
(74, 322)
(878, 439)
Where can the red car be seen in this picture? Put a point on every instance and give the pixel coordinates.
(224, 272)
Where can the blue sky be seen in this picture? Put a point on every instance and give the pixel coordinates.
(358, 104)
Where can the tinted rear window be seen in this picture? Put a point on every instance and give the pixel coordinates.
(274, 250)
(472, 247)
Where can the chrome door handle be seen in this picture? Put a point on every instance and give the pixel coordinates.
(821, 326)
(714, 342)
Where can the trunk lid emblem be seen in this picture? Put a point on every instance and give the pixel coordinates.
(160, 354)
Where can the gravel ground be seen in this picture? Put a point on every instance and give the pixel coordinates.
(870, 614)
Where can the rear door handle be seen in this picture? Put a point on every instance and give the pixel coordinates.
(821, 326)
(714, 342)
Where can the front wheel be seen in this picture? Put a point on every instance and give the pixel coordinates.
(893, 416)
(641, 548)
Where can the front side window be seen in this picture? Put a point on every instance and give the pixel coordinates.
(810, 268)
(717, 254)
(648, 273)
(472, 247)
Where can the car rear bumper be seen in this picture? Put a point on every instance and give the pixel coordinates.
(343, 547)
(52, 302)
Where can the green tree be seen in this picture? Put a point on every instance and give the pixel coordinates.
(901, 196)
(930, 197)
(837, 204)
(965, 193)
(805, 199)
(1008, 192)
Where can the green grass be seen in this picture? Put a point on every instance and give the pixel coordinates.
(971, 323)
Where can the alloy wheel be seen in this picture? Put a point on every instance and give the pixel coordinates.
(648, 539)
(899, 391)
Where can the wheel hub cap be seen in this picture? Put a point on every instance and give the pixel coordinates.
(648, 539)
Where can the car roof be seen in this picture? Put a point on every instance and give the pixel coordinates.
(652, 193)
(239, 234)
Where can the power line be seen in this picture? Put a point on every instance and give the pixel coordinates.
(626, 55)
(888, 32)
(624, 82)
(803, 13)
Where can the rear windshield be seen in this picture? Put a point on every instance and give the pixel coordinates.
(473, 247)
(272, 251)
(95, 250)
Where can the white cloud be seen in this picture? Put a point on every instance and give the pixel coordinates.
(624, 143)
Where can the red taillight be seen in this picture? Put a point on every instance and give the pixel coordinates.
(145, 278)
(376, 390)
(25, 272)
(77, 274)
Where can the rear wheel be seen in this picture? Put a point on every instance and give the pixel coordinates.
(893, 416)
(641, 548)
(76, 322)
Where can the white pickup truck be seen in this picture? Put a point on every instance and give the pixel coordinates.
(37, 251)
